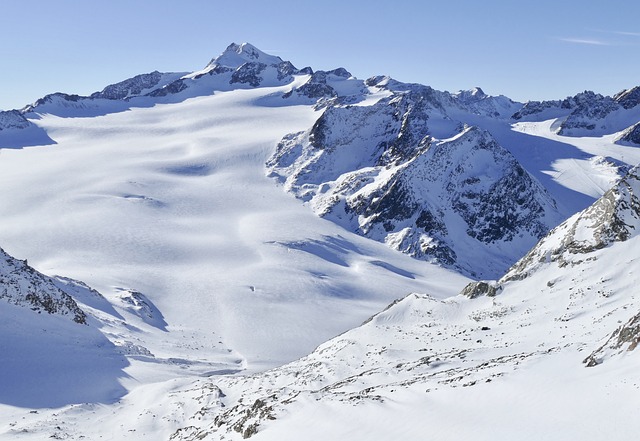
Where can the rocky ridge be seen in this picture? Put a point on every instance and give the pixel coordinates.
(23, 286)
(631, 136)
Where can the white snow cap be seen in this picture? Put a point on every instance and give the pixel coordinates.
(235, 55)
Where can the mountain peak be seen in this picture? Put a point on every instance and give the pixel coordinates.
(475, 94)
(235, 55)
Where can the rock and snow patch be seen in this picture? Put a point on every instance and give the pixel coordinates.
(420, 350)
(136, 86)
(630, 136)
(624, 339)
(23, 286)
(138, 304)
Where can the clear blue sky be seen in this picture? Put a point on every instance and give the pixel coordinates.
(525, 50)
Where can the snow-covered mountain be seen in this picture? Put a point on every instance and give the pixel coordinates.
(206, 286)
(380, 170)
(457, 202)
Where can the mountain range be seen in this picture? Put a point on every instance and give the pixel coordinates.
(257, 250)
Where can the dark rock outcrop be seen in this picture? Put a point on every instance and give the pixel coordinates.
(23, 286)
(477, 289)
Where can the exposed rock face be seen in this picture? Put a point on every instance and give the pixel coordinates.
(625, 338)
(322, 85)
(248, 73)
(477, 289)
(170, 89)
(23, 286)
(615, 217)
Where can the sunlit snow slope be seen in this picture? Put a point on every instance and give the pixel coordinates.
(206, 265)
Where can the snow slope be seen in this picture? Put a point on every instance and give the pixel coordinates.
(526, 361)
(207, 268)
(172, 202)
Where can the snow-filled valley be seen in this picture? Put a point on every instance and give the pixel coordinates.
(256, 250)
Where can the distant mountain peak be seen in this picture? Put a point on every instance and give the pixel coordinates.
(235, 55)
(475, 94)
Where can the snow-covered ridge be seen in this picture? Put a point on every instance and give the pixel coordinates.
(422, 350)
(615, 217)
(136, 86)
(240, 66)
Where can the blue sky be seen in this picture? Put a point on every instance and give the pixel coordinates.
(525, 50)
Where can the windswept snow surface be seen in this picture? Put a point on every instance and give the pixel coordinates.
(208, 267)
